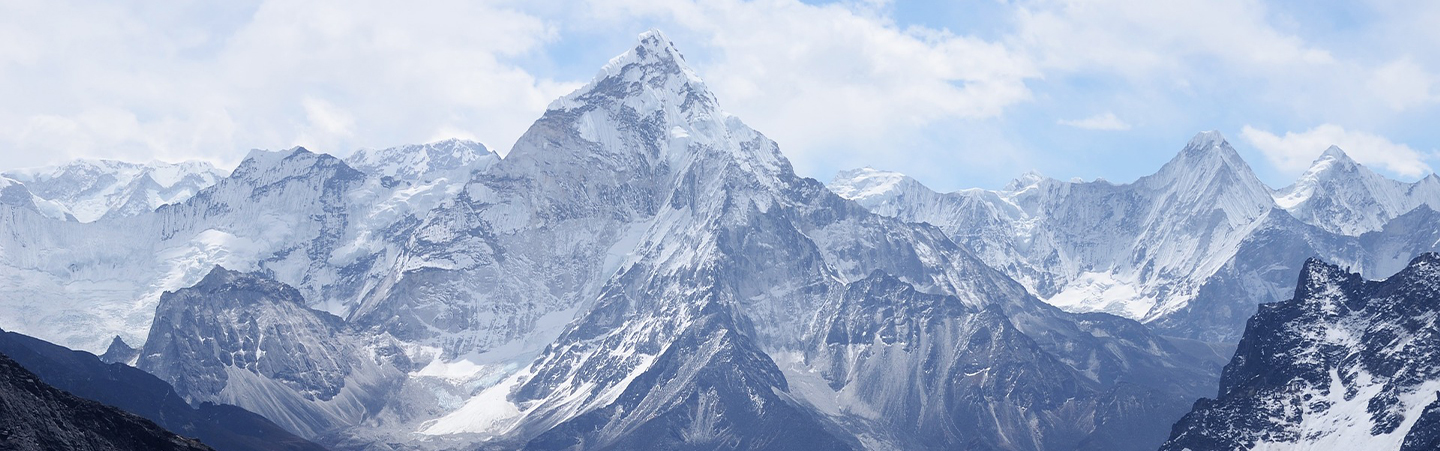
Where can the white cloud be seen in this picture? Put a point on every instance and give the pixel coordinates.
(1294, 152)
(836, 84)
(1106, 121)
(210, 80)
(327, 125)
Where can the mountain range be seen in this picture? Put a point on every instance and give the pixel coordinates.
(1190, 250)
(644, 271)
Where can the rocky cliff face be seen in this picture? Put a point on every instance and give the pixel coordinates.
(1345, 364)
(250, 341)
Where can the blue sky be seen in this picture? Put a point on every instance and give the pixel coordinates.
(966, 93)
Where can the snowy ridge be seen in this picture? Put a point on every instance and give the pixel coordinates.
(425, 162)
(90, 189)
(1096, 246)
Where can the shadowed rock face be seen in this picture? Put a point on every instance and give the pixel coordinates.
(224, 427)
(1346, 363)
(248, 340)
(943, 375)
(36, 416)
(120, 352)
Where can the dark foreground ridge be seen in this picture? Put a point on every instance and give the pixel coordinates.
(36, 416)
(224, 427)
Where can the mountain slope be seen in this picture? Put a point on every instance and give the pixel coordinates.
(223, 427)
(36, 416)
(1345, 364)
(741, 250)
(712, 388)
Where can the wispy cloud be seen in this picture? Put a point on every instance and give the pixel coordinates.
(837, 84)
(1106, 121)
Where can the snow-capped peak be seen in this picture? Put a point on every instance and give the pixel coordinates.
(679, 120)
(1330, 165)
(1342, 196)
(662, 74)
(1209, 146)
(653, 48)
(1207, 140)
(261, 158)
(1334, 153)
(14, 193)
(1208, 163)
(1210, 172)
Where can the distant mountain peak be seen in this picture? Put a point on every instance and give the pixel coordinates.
(1343, 196)
(217, 277)
(277, 164)
(1028, 179)
(1330, 163)
(86, 190)
(265, 158)
(120, 352)
(1209, 155)
(1210, 144)
(654, 48)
